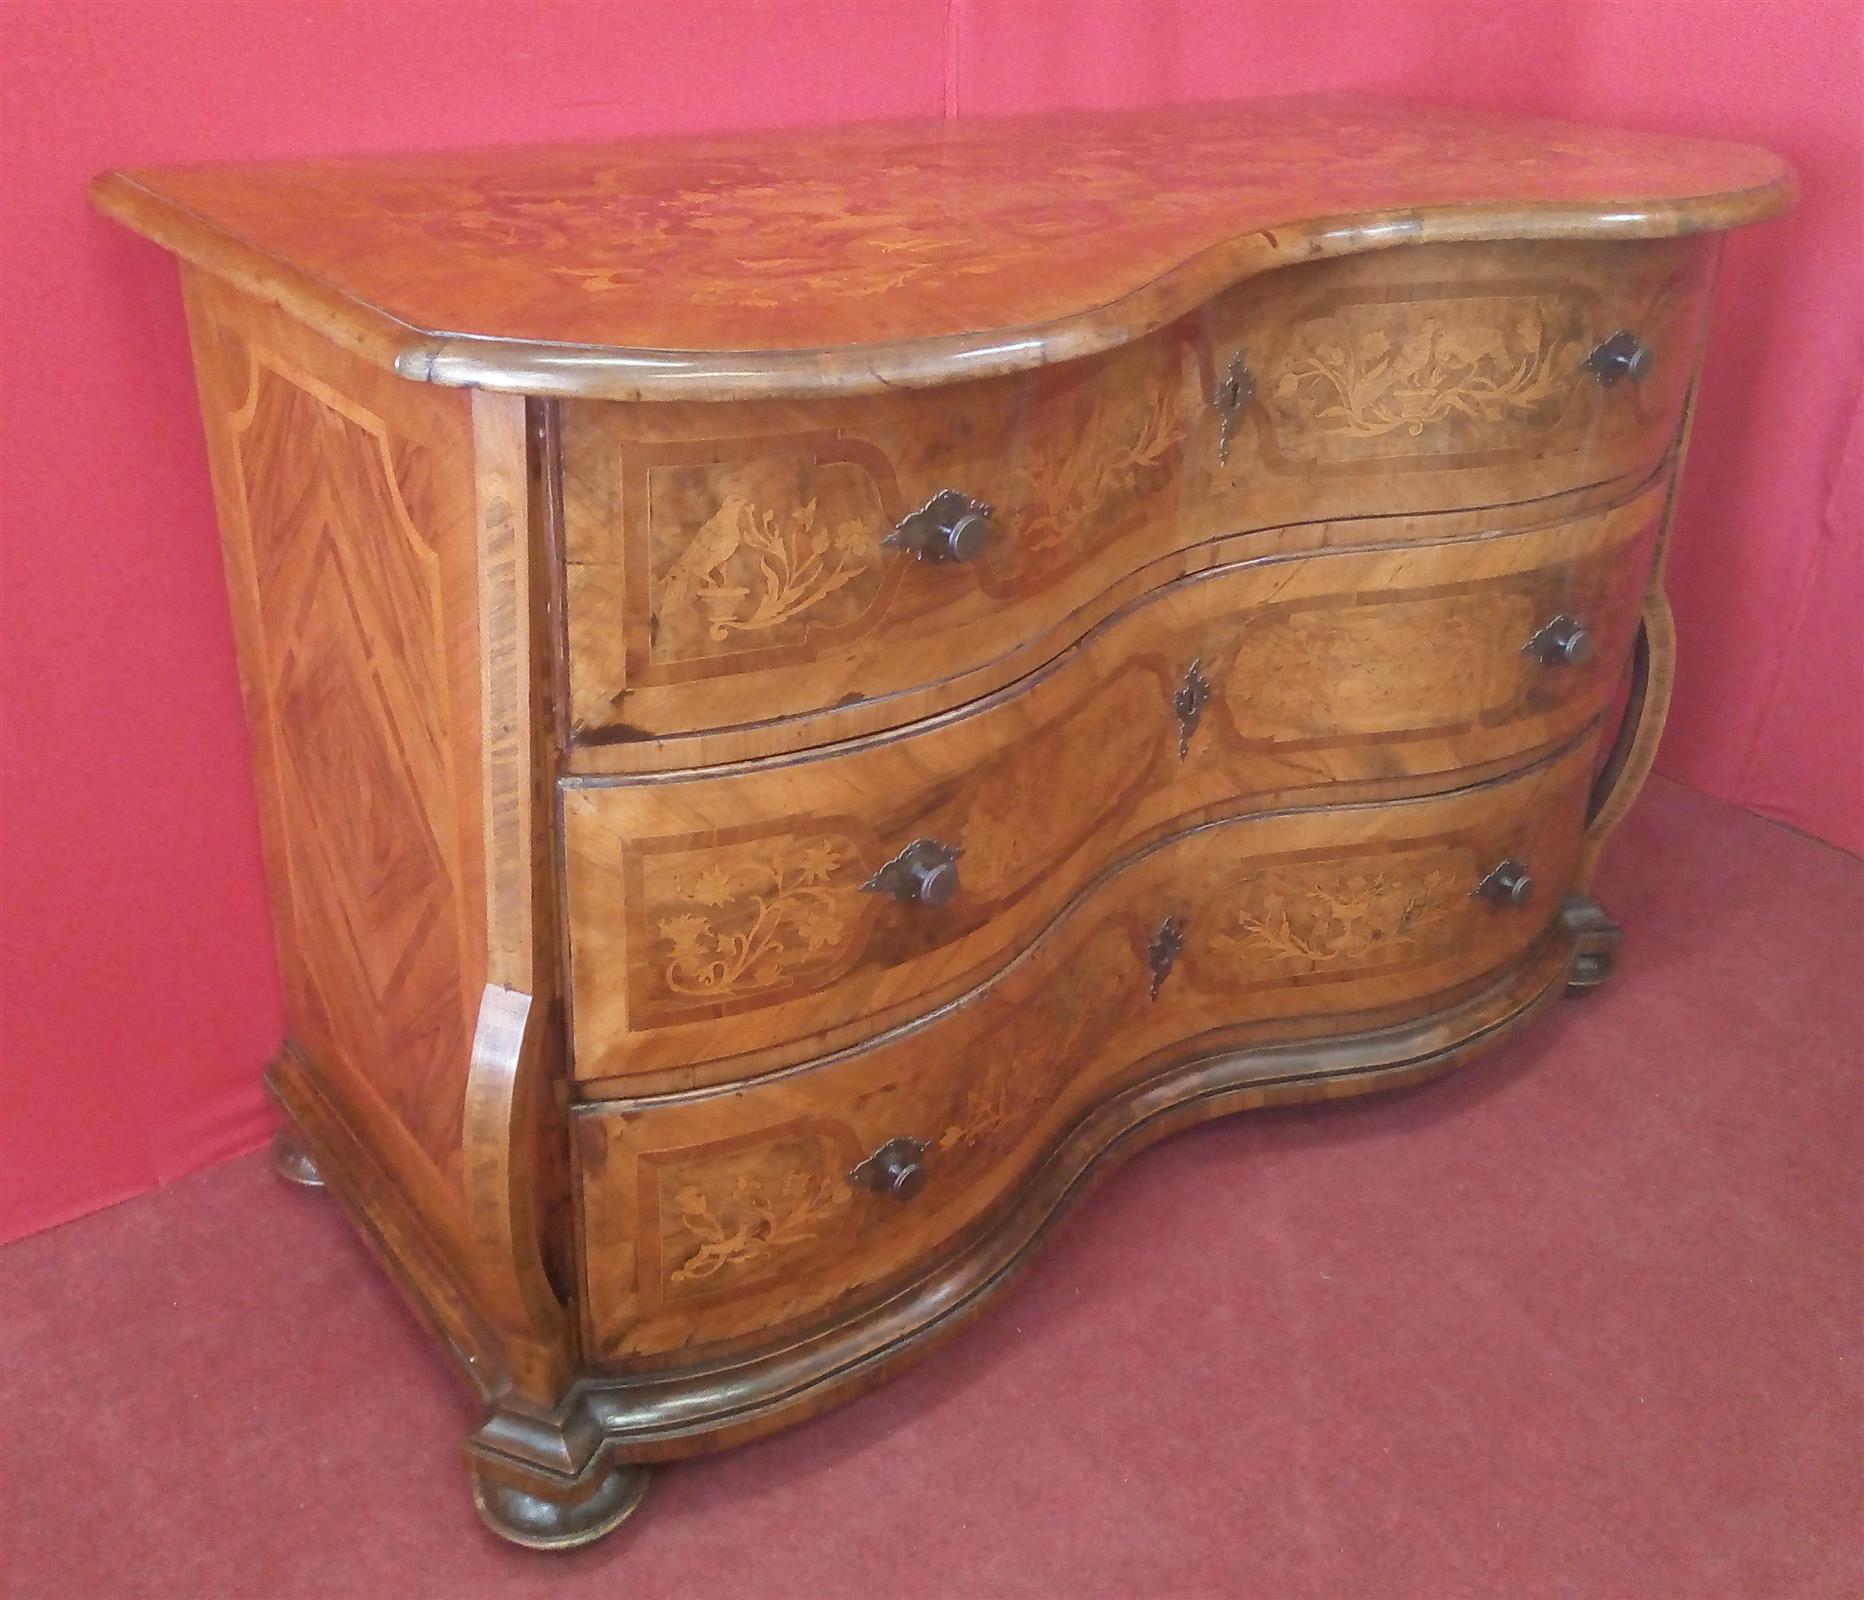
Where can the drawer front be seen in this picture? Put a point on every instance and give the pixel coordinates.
(713, 1218)
(1467, 376)
(728, 565)
(726, 923)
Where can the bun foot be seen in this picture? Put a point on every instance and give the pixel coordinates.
(1589, 972)
(540, 1524)
(1595, 944)
(292, 1162)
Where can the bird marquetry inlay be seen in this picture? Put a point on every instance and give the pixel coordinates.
(1419, 374)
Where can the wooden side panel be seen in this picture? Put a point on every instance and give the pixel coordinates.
(726, 564)
(719, 923)
(717, 1220)
(388, 747)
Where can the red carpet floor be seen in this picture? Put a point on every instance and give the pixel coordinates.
(1581, 1321)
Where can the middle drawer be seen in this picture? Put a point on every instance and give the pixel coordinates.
(728, 922)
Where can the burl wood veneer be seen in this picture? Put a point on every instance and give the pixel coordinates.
(810, 693)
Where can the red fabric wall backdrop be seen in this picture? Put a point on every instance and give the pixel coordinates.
(139, 996)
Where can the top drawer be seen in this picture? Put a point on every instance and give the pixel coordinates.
(733, 565)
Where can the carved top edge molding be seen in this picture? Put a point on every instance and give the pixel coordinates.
(803, 262)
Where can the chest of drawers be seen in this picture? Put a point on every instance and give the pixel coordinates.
(810, 693)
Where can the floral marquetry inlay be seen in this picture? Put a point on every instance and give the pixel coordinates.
(760, 553)
(1399, 371)
(1115, 446)
(815, 239)
(731, 1213)
(1345, 914)
(761, 1221)
(794, 560)
(746, 919)
(1022, 1070)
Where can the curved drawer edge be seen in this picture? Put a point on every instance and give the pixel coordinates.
(861, 1034)
(668, 1417)
(836, 730)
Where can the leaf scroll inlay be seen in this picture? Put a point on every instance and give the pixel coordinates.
(1364, 384)
(754, 923)
(1108, 459)
(753, 568)
(1316, 917)
(763, 1220)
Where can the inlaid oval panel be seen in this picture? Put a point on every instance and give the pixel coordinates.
(713, 1218)
(732, 567)
(725, 923)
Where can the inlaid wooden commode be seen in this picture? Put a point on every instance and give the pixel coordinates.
(811, 692)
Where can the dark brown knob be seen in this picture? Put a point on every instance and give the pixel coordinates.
(1510, 884)
(1623, 355)
(925, 872)
(1563, 642)
(897, 1169)
(948, 527)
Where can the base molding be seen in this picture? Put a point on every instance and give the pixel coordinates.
(556, 1476)
(416, 1260)
(568, 1453)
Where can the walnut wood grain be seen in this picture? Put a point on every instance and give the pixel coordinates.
(726, 564)
(804, 262)
(730, 1215)
(599, 713)
(718, 922)
(369, 655)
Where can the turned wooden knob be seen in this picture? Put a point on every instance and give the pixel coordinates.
(897, 1169)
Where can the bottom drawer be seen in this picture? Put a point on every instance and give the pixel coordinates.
(714, 1220)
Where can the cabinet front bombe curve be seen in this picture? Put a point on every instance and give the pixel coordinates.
(811, 691)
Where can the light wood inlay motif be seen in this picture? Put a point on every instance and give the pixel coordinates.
(1378, 914)
(1074, 481)
(755, 1225)
(756, 917)
(1349, 668)
(1326, 669)
(732, 1214)
(1512, 362)
(757, 570)
(727, 570)
(1317, 917)
(588, 689)
(819, 244)
(1028, 1062)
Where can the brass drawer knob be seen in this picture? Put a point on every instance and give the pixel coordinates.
(897, 1169)
(925, 872)
(1623, 355)
(948, 527)
(1510, 884)
(1563, 642)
